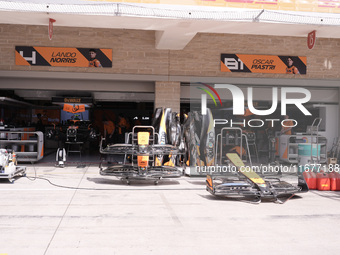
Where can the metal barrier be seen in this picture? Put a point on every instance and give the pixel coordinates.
(28, 146)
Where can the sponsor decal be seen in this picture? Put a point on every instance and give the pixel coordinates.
(74, 109)
(50, 28)
(263, 64)
(311, 39)
(57, 56)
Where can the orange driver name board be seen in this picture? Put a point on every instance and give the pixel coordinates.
(263, 64)
(57, 56)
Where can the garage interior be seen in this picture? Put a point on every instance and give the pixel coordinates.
(19, 108)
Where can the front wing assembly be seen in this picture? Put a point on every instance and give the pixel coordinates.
(134, 172)
(245, 182)
(220, 185)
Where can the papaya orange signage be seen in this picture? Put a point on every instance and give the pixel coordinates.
(57, 56)
(328, 6)
(263, 64)
(74, 109)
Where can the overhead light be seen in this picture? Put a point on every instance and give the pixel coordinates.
(319, 105)
(11, 101)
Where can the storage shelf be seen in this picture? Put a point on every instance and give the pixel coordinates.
(19, 141)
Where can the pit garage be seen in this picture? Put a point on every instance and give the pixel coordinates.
(265, 142)
(21, 110)
(205, 87)
(25, 98)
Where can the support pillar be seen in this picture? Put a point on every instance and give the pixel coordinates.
(168, 95)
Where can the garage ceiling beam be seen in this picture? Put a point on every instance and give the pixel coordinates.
(173, 39)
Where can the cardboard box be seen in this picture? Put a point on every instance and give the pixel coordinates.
(332, 161)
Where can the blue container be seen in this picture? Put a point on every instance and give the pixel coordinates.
(306, 150)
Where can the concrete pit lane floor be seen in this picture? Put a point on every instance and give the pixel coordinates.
(86, 213)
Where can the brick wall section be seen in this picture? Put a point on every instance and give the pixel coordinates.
(167, 94)
(134, 51)
(202, 55)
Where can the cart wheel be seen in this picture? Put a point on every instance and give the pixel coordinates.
(257, 200)
(156, 181)
(278, 201)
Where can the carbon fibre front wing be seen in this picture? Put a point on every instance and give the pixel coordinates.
(129, 172)
(239, 186)
(132, 171)
(155, 149)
